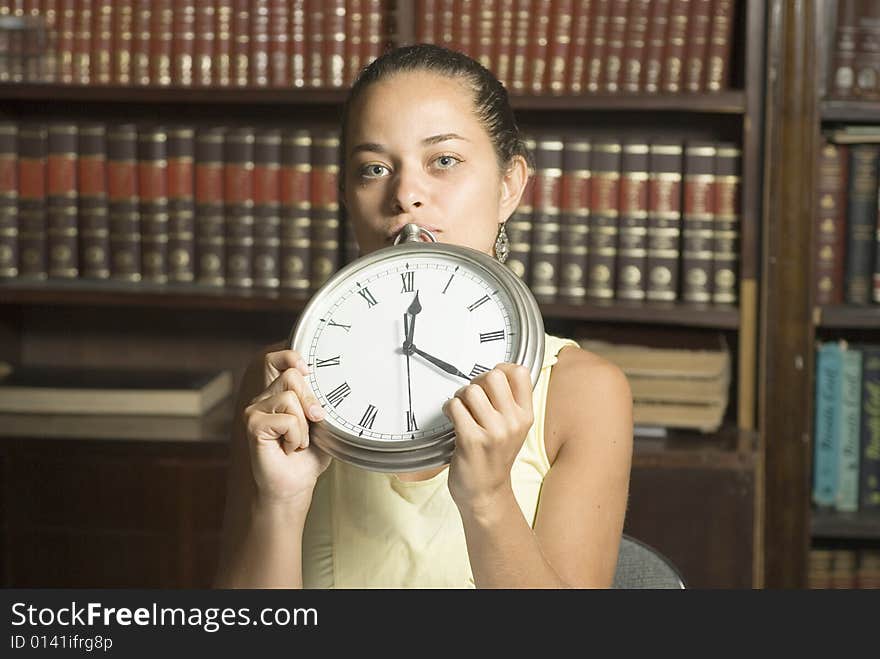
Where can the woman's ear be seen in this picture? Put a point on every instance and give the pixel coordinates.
(513, 184)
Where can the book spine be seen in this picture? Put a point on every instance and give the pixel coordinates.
(426, 19)
(574, 219)
(826, 434)
(94, 218)
(49, 13)
(635, 44)
(718, 48)
(267, 208)
(279, 43)
(122, 191)
(140, 43)
(64, 42)
(664, 221)
(296, 211)
(696, 47)
(221, 74)
(122, 41)
(102, 42)
(726, 234)
(697, 221)
(240, 43)
(325, 208)
(830, 209)
(632, 249)
(181, 204)
(32, 49)
(604, 215)
(614, 45)
(315, 28)
(538, 52)
(519, 60)
(484, 32)
(33, 143)
(354, 37)
(238, 186)
(183, 42)
(8, 199)
(298, 43)
(334, 46)
(463, 31)
(161, 26)
(62, 229)
(861, 222)
(601, 12)
(674, 53)
(446, 23)
(82, 43)
(546, 217)
(866, 61)
(210, 220)
(258, 44)
(847, 499)
(559, 49)
(842, 79)
(204, 36)
(579, 46)
(519, 226)
(153, 197)
(869, 452)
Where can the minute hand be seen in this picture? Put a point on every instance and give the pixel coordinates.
(449, 368)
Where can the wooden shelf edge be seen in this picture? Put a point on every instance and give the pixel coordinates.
(725, 102)
(61, 293)
(858, 111)
(831, 525)
(842, 316)
(729, 448)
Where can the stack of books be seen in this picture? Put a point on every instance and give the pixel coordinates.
(672, 388)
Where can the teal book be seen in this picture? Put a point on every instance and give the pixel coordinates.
(850, 434)
(826, 431)
(869, 456)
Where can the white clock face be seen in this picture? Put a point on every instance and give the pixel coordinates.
(375, 384)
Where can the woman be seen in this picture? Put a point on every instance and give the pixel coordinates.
(428, 137)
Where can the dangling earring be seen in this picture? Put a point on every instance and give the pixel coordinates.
(502, 244)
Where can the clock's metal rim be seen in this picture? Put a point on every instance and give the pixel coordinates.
(422, 453)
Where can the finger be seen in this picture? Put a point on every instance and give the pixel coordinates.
(495, 383)
(291, 429)
(286, 403)
(478, 404)
(519, 379)
(293, 380)
(279, 361)
(456, 411)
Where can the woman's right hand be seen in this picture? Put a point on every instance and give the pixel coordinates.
(285, 466)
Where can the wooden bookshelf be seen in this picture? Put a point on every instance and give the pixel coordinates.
(849, 111)
(847, 317)
(847, 526)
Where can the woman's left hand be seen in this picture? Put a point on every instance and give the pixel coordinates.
(492, 416)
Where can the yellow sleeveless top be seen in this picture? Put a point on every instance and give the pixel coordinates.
(372, 530)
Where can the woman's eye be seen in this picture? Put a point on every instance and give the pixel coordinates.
(446, 162)
(374, 170)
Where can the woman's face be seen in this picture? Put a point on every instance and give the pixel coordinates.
(416, 152)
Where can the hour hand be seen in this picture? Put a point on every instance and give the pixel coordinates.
(449, 368)
(414, 308)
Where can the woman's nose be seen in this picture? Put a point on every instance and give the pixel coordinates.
(408, 193)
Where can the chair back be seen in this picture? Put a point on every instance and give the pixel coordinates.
(641, 566)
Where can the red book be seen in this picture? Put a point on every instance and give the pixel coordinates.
(544, 279)
(580, 40)
(334, 43)
(315, 26)
(614, 42)
(102, 42)
(635, 44)
(463, 30)
(298, 43)
(258, 25)
(204, 26)
(655, 45)
(559, 47)
(241, 43)
(121, 42)
(279, 44)
(672, 80)
(183, 35)
(519, 59)
(221, 74)
(574, 219)
(446, 23)
(296, 221)
(604, 213)
(502, 49)
(82, 42)
(484, 32)
(94, 218)
(536, 70)
(161, 27)
(267, 208)
(720, 42)
(33, 144)
(49, 12)
(426, 20)
(140, 42)
(696, 48)
(325, 208)
(354, 38)
(375, 38)
(601, 11)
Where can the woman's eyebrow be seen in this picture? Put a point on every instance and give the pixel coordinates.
(374, 147)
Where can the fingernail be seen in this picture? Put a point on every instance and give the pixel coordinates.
(316, 412)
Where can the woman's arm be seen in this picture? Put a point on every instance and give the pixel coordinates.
(588, 432)
(261, 541)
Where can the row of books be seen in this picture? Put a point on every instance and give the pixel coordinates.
(207, 43)
(847, 265)
(589, 46)
(844, 568)
(854, 57)
(629, 219)
(214, 205)
(846, 434)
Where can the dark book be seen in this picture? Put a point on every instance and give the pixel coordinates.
(604, 217)
(842, 78)
(296, 211)
(861, 222)
(94, 213)
(210, 220)
(238, 197)
(181, 204)
(519, 227)
(315, 65)
(153, 202)
(632, 249)
(574, 219)
(8, 199)
(664, 221)
(869, 449)
(866, 60)
(68, 390)
(726, 232)
(325, 208)
(719, 46)
(61, 201)
(830, 225)
(123, 207)
(267, 208)
(698, 220)
(544, 278)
